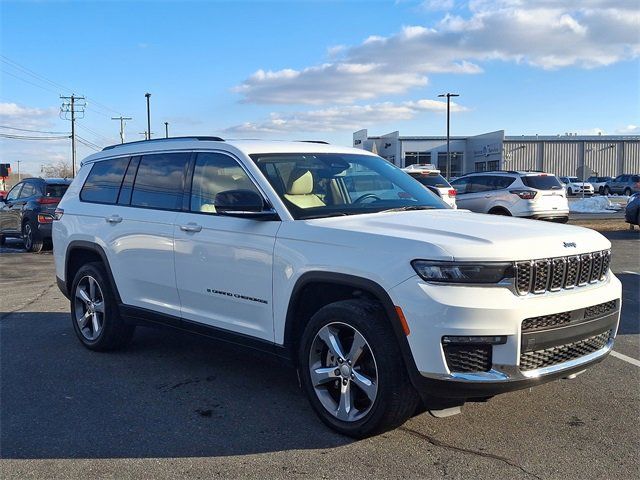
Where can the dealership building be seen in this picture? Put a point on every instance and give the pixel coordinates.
(606, 155)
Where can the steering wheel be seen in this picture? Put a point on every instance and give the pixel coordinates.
(366, 196)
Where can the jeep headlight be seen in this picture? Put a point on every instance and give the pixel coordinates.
(463, 272)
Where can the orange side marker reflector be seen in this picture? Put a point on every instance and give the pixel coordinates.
(403, 321)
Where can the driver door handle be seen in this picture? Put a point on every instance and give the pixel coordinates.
(114, 219)
(191, 227)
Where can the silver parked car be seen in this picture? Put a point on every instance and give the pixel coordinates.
(599, 183)
(535, 195)
(623, 184)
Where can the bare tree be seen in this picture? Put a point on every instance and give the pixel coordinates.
(59, 169)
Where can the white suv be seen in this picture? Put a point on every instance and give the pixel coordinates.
(536, 195)
(386, 300)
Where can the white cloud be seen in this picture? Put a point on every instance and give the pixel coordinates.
(548, 34)
(14, 115)
(629, 130)
(436, 5)
(349, 117)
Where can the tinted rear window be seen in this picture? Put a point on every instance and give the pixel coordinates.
(432, 180)
(542, 182)
(103, 182)
(159, 181)
(55, 190)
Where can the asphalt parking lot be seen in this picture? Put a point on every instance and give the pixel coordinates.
(175, 406)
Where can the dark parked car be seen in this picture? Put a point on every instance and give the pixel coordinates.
(632, 212)
(27, 211)
(624, 184)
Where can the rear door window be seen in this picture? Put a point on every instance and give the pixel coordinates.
(160, 181)
(29, 190)
(104, 180)
(542, 182)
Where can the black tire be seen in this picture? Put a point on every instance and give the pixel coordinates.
(396, 400)
(114, 333)
(500, 211)
(33, 241)
(569, 192)
(2, 240)
(627, 192)
(607, 190)
(601, 190)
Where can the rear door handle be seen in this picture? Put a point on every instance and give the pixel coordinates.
(114, 219)
(191, 227)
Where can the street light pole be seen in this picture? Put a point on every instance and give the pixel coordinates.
(166, 129)
(448, 95)
(148, 96)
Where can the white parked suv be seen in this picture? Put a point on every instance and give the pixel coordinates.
(430, 177)
(387, 301)
(536, 195)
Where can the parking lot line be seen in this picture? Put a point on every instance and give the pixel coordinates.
(630, 360)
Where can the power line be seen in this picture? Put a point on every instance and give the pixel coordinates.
(32, 137)
(34, 131)
(87, 143)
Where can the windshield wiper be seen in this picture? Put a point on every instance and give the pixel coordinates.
(325, 215)
(407, 208)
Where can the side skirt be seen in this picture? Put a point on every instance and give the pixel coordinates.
(148, 318)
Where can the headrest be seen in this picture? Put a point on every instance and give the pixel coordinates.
(300, 182)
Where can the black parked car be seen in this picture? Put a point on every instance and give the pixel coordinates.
(632, 212)
(27, 211)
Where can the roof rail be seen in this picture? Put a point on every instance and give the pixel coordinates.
(203, 139)
(315, 141)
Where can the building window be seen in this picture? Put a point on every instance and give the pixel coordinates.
(481, 166)
(411, 158)
(493, 165)
(457, 159)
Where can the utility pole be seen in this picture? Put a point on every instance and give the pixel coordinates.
(18, 162)
(144, 134)
(148, 96)
(166, 129)
(71, 108)
(448, 95)
(122, 120)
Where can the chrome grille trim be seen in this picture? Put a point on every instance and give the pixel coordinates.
(554, 274)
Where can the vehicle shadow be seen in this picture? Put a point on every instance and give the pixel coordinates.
(629, 319)
(167, 395)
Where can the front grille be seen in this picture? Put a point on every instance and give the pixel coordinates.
(546, 321)
(600, 309)
(468, 358)
(563, 353)
(553, 274)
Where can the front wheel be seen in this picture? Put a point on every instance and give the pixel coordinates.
(607, 191)
(569, 192)
(627, 192)
(352, 370)
(601, 191)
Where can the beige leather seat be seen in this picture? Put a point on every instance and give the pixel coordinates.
(300, 189)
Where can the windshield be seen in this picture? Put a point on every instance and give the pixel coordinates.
(542, 182)
(431, 180)
(319, 185)
(55, 190)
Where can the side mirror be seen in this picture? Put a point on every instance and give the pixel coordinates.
(243, 203)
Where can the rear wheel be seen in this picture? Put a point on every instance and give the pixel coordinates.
(33, 241)
(601, 190)
(94, 311)
(607, 190)
(500, 211)
(627, 192)
(352, 370)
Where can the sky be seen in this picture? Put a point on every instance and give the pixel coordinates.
(314, 69)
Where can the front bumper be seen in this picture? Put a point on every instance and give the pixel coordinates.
(437, 311)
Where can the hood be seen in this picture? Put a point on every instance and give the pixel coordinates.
(461, 235)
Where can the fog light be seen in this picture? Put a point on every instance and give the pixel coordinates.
(474, 340)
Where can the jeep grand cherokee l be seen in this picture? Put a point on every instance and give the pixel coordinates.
(384, 298)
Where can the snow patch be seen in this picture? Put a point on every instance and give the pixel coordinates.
(593, 205)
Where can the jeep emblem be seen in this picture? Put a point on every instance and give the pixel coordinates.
(569, 244)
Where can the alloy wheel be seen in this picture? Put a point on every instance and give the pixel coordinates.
(28, 237)
(343, 371)
(89, 307)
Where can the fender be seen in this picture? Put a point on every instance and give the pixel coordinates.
(95, 248)
(358, 283)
